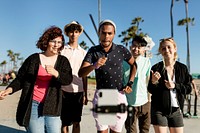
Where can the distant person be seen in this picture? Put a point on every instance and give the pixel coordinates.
(106, 59)
(138, 98)
(75, 94)
(188, 99)
(13, 75)
(40, 78)
(1, 77)
(6, 78)
(168, 82)
(196, 92)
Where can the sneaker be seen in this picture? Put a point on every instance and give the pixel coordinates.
(187, 115)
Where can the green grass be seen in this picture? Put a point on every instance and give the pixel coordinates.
(3, 84)
(91, 81)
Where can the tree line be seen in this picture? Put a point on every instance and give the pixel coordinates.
(14, 61)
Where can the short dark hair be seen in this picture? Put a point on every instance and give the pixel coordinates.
(73, 27)
(50, 34)
(140, 41)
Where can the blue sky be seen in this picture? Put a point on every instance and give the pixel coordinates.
(23, 21)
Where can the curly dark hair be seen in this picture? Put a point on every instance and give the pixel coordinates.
(50, 34)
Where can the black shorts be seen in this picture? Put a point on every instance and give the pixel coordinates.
(175, 119)
(72, 106)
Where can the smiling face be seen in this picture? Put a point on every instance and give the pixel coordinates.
(106, 35)
(168, 49)
(136, 49)
(73, 35)
(54, 46)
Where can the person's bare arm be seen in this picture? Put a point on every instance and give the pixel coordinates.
(128, 88)
(5, 92)
(195, 88)
(133, 69)
(85, 86)
(86, 67)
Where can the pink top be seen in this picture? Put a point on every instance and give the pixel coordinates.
(41, 84)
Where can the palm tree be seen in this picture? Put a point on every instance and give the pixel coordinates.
(14, 58)
(125, 38)
(15, 61)
(83, 45)
(132, 31)
(187, 32)
(186, 22)
(21, 59)
(3, 65)
(11, 56)
(171, 18)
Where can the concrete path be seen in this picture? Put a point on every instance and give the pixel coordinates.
(9, 125)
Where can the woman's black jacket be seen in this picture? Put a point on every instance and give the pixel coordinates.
(26, 79)
(161, 95)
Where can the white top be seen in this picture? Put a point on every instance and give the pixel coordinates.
(75, 57)
(174, 101)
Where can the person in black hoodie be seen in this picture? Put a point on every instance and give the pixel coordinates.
(169, 80)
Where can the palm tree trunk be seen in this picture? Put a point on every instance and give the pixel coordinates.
(171, 16)
(187, 32)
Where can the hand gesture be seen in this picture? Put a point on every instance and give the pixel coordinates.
(51, 70)
(4, 93)
(101, 61)
(85, 100)
(169, 84)
(155, 76)
(127, 89)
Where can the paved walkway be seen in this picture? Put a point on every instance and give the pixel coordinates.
(9, 125)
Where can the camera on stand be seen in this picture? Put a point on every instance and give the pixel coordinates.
(121, 108)
(107, 107)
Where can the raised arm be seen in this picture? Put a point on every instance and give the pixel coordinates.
(85, 69)
(133, 69)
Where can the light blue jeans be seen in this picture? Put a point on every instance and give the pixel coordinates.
(43, 124)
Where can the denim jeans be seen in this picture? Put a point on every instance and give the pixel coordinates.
(42, 124)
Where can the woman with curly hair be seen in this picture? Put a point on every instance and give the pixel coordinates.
(40, 79)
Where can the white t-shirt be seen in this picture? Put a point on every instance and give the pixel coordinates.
(75, 57)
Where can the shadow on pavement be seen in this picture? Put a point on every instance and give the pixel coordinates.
(5, 129)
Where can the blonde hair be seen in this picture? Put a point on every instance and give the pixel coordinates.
(170, 39)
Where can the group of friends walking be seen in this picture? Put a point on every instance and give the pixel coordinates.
(54, 83)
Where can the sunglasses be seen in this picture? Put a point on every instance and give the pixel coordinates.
(58, 42)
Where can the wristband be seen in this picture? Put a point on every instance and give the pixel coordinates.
(130, 83)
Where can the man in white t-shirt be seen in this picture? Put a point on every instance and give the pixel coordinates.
(138, 98)
(75, 94)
